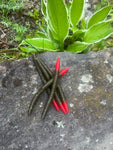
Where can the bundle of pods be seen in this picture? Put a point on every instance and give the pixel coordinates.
(54, 90)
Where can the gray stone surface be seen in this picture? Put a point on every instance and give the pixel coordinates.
(88, 87)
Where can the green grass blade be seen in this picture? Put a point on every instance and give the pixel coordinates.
(99, 15)
(98, 32)
(76, 11)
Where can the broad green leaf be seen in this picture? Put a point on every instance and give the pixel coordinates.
(57, 18)
(83, 23)
(43, 7)
(53, 32)
(40, 35)
(28, 49)
(98, 32)
(41, 43)
(99, 15)
(77, 47)
(76, 11)
(88, 49)
(52, 37)
(78, 35)
(68, 6)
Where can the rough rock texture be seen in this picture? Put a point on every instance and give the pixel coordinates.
(88, 87)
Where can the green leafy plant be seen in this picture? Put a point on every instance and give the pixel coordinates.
(19, 30)
(102, 3)
(6, 22)
(67, 30)
(37, 17)
(6, 6)
(34, 14)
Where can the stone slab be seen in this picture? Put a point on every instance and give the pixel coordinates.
(88, 87)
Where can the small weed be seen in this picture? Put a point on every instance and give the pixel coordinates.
(39, 21)
(20, 30)
(11, 6)
(34, 14)
(6, 6)
(6, 22)
(102, 3)
(12, 54)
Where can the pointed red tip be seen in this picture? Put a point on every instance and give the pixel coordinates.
(57, 67)
(65, 104)
(55, 105)
(62, 72)
(62, 108)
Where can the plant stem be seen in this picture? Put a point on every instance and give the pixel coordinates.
(61, 46)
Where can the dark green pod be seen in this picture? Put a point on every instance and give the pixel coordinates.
(37, 63)
(46, 68)
(40, 91)
(46, 72)
(38, 69)
(61, 93)
(51, 95)
(42, 69)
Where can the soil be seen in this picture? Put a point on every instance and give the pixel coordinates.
(20, 17)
